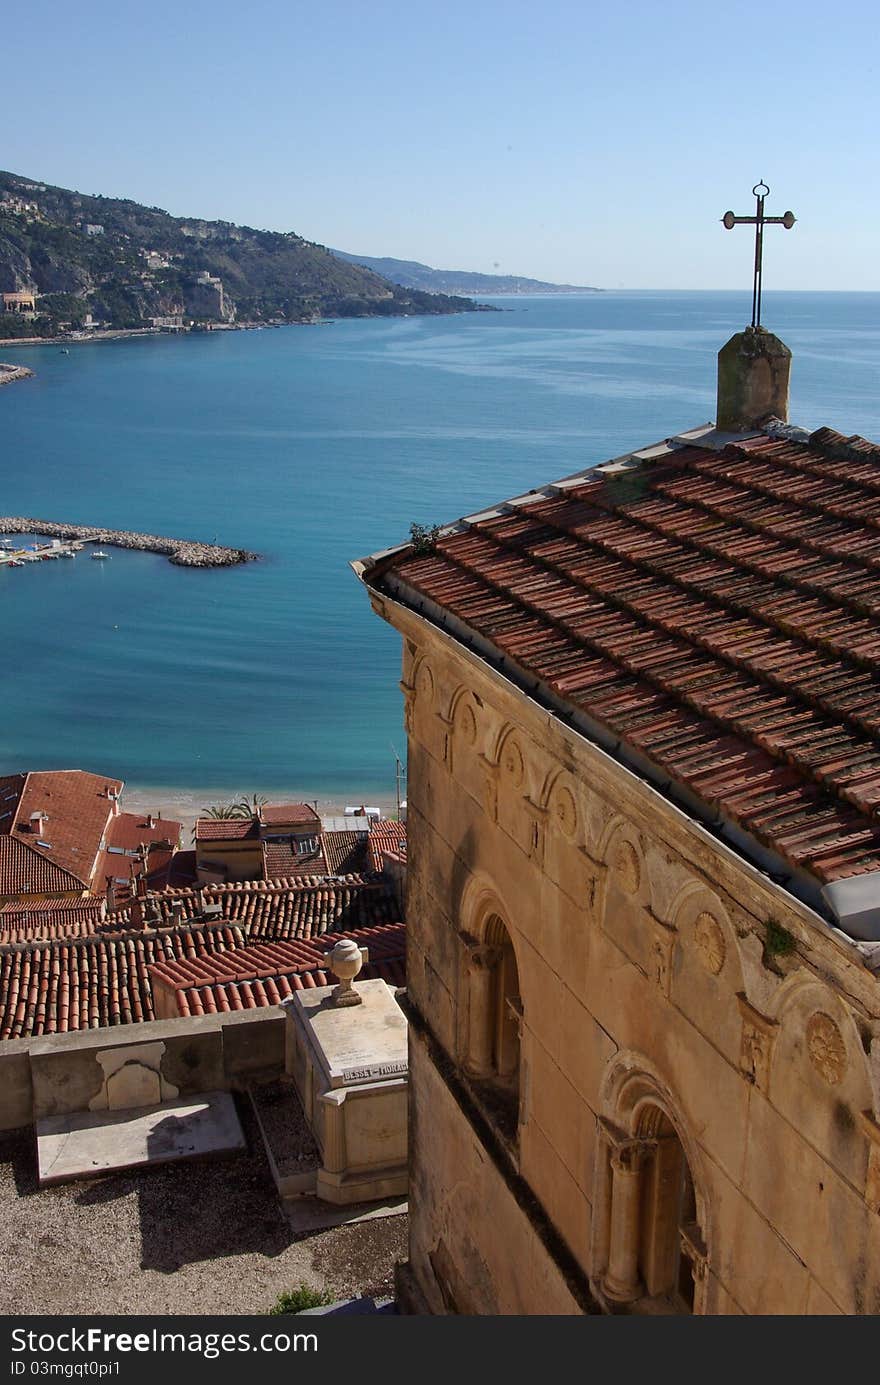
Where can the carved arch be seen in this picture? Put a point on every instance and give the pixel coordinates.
(650, 1236)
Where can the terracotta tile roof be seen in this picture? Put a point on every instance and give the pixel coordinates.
(346, 852)
(89, 983)
(718, 612)
(129, 831)
(20, 925)
(389, 837)
(125, 835)
(288, 814)
(256, 976)
(77, 812)
(226, 829)
(278, 910)
(281, 860)
(29, 870)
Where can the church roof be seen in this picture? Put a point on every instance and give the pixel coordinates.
(707, 608)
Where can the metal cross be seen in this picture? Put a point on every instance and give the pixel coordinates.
(759, 221)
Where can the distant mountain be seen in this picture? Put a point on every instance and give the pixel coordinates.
(125, 265)
(412, 275)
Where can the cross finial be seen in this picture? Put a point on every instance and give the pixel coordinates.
(759, 221)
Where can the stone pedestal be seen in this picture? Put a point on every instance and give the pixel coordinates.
(350, 1067)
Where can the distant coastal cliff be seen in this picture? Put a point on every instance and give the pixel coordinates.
(411, 274)
(182, 552)
(69, 262)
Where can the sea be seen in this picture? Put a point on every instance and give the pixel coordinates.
(313, 446)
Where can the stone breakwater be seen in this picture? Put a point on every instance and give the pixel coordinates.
(183, 552)
(8, 373)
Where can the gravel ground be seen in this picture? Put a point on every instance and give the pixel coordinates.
(207, 1237)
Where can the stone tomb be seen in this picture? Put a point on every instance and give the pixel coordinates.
(349, 1063)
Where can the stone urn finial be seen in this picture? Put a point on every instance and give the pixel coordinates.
(346, 961)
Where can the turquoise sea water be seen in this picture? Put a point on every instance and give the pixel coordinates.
(314, 446)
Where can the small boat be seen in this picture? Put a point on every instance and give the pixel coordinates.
(15, 562)
(99, 554)
(7, 545)
(67, 553)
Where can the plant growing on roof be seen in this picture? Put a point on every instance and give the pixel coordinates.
(424, 539)
(222, 810)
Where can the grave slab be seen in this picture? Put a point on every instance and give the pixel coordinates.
(88, 1143)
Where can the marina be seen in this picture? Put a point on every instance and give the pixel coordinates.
(67, 539)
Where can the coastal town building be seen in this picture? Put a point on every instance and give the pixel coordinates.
(283, 841)
(73, 820)
(643, 778)
(22, 302)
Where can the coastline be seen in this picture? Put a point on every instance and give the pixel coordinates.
(120, 333)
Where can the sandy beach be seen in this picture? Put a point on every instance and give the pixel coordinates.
(185, 805)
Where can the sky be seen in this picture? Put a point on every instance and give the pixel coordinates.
(564, 140)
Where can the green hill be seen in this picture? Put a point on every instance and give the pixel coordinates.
(126, 264)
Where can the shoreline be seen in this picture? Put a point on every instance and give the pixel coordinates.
(119, 333)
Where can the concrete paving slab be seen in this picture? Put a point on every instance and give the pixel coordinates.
(87, 1143)
(313, 1214)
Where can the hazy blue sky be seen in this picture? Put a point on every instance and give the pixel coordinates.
(596, 144)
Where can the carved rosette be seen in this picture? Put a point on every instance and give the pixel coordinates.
(512, 764)
(826, 1048)
(627, 867)
(709, 943)
(563, 810)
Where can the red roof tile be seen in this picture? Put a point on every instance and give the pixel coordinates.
(281, 860)
(256, 976)
(278, 910)
(226, 829)
(26, 870)
(386, 837)
(717, 612)
(79, 920)
(76, 809)
(288, 814)
(89, 983)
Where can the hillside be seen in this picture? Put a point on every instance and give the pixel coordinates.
(412, 275)
(125, 265)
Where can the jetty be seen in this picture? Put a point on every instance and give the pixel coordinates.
(182, 552)
(8, 373)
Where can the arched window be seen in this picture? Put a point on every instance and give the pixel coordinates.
(494, 1022)
(656, 1249)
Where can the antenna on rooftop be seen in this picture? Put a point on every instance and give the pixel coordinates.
(399, 774)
